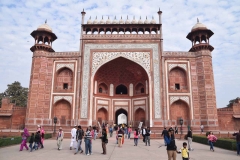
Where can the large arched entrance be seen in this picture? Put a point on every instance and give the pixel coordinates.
(180, 109)
(102, 116)
(62, 110)
(121, 117)
(125, 86)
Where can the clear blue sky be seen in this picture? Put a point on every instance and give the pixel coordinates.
(19, 18)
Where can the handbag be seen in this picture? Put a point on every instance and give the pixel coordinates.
(106, 141)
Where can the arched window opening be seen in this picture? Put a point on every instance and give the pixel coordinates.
(142, 90)
(40, 40)
(121, 89)
(139, 88)
(102, 88)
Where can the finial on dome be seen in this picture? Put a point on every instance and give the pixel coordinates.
(45, 21)
(197, 20)
(102, 17)
(127, 16)
(159, 8)
(96, 17)
(90, 17)
(146, 17)
(115, 17)
(83, 9)
(140, 17)
(121, 17)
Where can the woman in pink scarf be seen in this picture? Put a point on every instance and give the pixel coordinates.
(25, 136)
(42, 132)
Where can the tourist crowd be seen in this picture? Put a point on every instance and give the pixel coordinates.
(78, 136)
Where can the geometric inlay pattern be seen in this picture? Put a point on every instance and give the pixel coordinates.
(175, 98)
(86, 70)
(99, 107)
(170, 66)
(120, 107)
(100, 58)
(68, 65)
(57, 98)
(137, 107)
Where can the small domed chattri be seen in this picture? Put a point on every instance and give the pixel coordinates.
(198, 25)
(140, 21)
(102, 21)
(115, 21)
(127, 21)
(108, 21)
(95, 21)
(45, 26)
(89, 21)
(134, 21)
(146, 21)
(153, 21)
(121, 21)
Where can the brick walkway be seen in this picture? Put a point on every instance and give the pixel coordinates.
(127, 152)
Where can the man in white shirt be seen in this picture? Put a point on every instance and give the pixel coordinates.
(73, 137)
(143, 133)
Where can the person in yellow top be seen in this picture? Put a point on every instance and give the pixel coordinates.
(184, 151)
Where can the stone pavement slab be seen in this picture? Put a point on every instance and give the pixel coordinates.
(127, 152)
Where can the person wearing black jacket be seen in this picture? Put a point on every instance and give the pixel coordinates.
(104, 140)
(171, 145)
(31, 140)
(189, 137)
(237, 134)
(79, 137)
(164, 133)
(147, 136)
(37, 140)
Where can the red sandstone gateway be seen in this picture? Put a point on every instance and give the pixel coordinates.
(122, 75)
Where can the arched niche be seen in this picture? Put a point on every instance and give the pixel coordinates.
(64, 79)
(102, 115)
(102, 88)
(178, 79)
(139, 89)
(180, 109)
(62, 110)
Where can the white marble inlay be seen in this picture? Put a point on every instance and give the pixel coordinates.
(67, 65)
(139, 102)
(175, 98)
(102, 102)
(57, 98)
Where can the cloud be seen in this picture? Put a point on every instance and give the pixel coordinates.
(19, 18)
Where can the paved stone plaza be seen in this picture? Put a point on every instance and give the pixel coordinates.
(127, 152)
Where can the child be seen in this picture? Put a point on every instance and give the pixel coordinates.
(36, 140)
(184, 151)
(31, 142)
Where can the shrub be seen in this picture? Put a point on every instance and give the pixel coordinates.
(221, 142)
(17, 140)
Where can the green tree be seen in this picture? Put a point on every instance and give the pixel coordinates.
(16, 93)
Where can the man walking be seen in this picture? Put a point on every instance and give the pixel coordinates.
(201, 127)
(60, 138)
(79, 136)
(144, 133)
(164, 133)
(237, 134)
(189, 136)
(73, 137)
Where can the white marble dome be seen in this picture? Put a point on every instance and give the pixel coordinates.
(108, 21)
(89, 21)
(134, 21)
(114, 21)
(95, 21)
(140, 21)
(102, 21)
(127, 21)
(153, 21)
(121, 21)
(45, 26)
(146, 21)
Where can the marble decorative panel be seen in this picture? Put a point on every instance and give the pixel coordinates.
(57, 98)
(171, 66)
(141, 61)
(68, 65)
(175, 98)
